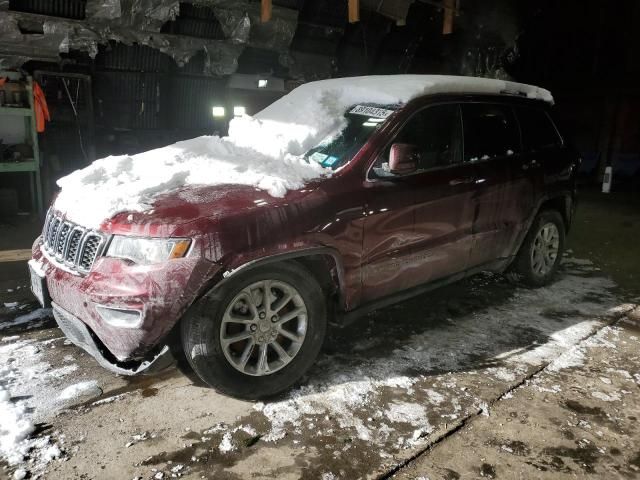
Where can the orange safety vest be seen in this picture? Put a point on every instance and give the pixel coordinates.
(41, 108)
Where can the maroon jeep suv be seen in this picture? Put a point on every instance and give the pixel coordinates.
(419, 194)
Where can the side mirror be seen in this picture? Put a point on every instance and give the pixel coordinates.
(403, 159)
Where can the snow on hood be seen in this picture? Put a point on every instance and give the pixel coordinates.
(264, 151)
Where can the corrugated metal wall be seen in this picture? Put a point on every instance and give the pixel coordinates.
(129, 100)
(137, 87)
(129, 84)
(59, 8)
(191, 99)
(195, 21)
(118, 56)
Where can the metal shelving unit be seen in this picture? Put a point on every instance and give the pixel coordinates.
(31, 166)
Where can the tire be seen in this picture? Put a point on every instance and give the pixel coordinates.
(528, 261)
(224, 364)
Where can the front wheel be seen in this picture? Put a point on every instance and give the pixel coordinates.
(540, 254)
(259, 333)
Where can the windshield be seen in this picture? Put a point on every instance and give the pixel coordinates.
(362, 121)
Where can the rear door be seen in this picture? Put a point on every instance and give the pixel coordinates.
(543, 159)
(492, 144)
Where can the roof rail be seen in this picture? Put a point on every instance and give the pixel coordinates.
(513, 92)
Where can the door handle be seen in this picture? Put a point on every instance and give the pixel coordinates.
(461, 181)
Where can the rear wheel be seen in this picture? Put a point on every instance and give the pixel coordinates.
(540, 254)
(259, 333)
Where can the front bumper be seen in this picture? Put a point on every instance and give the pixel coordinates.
(79, 334)
(161, 293)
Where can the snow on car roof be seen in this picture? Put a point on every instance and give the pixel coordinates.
(264, 151)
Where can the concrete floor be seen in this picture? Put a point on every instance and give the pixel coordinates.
(573, 423)
(482, 379)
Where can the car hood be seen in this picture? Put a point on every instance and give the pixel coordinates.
(189, 204)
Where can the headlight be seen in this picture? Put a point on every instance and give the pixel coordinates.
(146, 251)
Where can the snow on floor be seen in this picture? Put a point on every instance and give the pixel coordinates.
(264, 151)
(391, 395)
(88, 388)
(36, 316)
(339, 390)
(31, 389)
(15, 427)
(16, 419)
(388, 388)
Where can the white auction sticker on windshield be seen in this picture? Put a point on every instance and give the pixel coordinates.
(374, 112)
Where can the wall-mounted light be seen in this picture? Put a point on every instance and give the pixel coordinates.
(262, 83)
(218, 111)
(239, 111)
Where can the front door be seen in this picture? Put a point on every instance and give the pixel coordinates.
(389, 237)
(418, 226)
(444, 201)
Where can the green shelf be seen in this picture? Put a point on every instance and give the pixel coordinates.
(20, 112)
(31, 166)
(25, 166)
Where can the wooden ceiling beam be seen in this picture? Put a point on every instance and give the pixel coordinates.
(354, 11)
(449, 8)
(265, 11)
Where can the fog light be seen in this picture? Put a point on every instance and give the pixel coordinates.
(120, 317)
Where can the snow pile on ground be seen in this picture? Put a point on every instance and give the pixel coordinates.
(16, 421)
(32, 391)
(15, 427)
(37, 316)
(88, 388)
(264, 151)
(30, 376)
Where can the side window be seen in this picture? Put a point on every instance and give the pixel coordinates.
(436, 133)
(538, 131)
(490, 130)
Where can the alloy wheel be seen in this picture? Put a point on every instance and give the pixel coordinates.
(545, 248)
(263, 327)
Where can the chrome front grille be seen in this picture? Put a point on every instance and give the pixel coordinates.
(61, 240)
(71, 244)
(89, 251)
(74, 244)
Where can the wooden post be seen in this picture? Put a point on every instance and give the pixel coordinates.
(265, 11)
(354, 11)
(449, 10)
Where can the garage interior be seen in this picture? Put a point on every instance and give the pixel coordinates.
(126, 76)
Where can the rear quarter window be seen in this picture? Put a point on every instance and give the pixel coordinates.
(538, 131)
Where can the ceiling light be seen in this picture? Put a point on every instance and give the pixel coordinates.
(262, 83)
(218, 111)
(239, 111)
